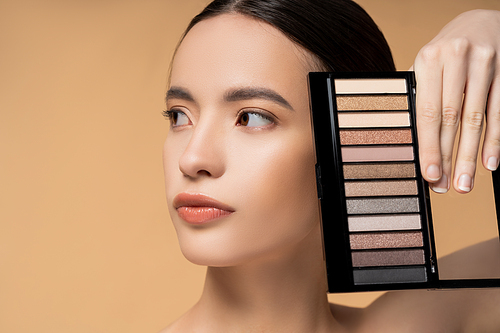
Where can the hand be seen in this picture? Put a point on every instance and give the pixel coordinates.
(458, 78)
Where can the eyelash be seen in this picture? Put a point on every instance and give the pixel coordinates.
(169, 114)
(258, 113)
(172, 113)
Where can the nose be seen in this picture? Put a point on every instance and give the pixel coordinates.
(204, 154)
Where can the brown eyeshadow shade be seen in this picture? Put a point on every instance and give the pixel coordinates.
(375, 136)
(380, 188)
(379, 170)
(373, 102)
(386, 240)
(388, 258)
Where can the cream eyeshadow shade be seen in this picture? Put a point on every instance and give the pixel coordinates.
(373, 119)
(381, 188)
(370, 86)
(368, 154)
(384, 222)
(374, 102)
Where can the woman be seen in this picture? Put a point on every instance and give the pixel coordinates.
(239, 160)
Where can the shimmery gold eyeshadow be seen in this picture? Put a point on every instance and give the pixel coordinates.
(375, 136)
(388, 258)
(384, 222)
(379, 170)
(373, 102)
(386, 240)
(380, 188)
(373, 119)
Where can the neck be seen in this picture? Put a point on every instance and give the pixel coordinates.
(285, 292)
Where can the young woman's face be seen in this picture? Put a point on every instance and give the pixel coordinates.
(239, 159)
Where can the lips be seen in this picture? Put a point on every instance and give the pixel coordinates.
(199, 208)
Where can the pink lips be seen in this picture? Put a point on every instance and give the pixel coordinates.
(199, 208)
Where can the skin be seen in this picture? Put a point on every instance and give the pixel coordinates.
(265, 269)
(460, 62)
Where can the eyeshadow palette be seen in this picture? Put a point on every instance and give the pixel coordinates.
(375, 207)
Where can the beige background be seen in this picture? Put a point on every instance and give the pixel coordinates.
(86, 244)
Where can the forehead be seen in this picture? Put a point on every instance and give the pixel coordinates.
(232, 50)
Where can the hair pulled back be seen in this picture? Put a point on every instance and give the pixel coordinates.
(340, 33)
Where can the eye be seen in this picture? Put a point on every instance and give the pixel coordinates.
(254, 119)
(177, 117)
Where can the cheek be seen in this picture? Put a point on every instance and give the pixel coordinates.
(172, 150)
(278, 188)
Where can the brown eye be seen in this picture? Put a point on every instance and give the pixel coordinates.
(177, 118)
(244, 119)
(254, 119)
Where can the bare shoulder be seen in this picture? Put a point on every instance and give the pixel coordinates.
(179, 325)
(444, 310)
(435, 310)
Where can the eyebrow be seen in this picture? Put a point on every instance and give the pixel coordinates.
(179, 93)
(241, 94)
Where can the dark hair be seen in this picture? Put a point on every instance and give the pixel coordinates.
(341, 35)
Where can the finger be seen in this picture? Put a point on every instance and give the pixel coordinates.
(429, 72)
(491, 145)
(476, 92)
(454, 77)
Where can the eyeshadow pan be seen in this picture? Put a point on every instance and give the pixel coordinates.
(373, 119)
(382, 205)
(373, 102)
(379, 170)
(377, 153)
(370, 86)
(375, 136)
(388, 258)
(380, 188)
(386, 240)
(390, 275)
(384, 222)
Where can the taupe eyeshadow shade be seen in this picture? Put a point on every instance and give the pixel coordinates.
(384, 222)
(382, 205)
(386, 240)
(388, 258)
(374, 102)
(380, 188)
(373, 119)
(375, 136)
(379, 170)
(375, 153)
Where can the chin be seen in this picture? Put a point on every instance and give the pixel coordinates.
(212, 255)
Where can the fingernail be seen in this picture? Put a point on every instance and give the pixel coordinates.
(438, 188)
(465, 183)
(492, 164)
(433, 172)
